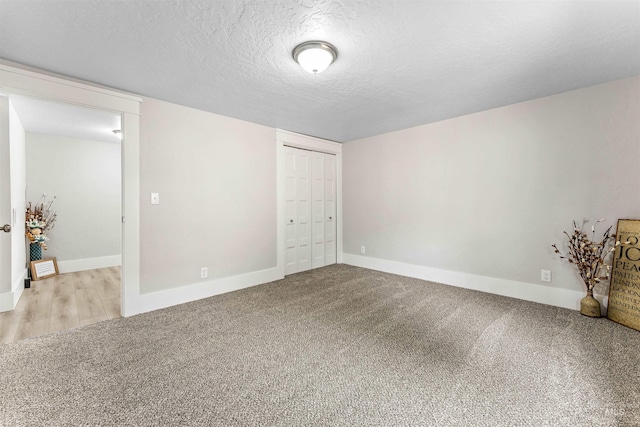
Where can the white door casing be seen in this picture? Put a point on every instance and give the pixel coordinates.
(286, 139)
(15, 80)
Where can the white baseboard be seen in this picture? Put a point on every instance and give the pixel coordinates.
(558, 297)
(180, 295)
(6, 301)
(9, 300)
(89, 263)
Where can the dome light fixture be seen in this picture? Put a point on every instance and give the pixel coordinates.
(315, 56)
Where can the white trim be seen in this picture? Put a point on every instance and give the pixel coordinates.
(85, 264)
(280, 205)
(9, 300)
(306, 142)
(291, 139)
(130, 272)
(18, 288)
(17, 79)
(558, 297)
(339, 249)
(183, 294)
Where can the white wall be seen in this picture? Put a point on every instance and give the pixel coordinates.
(18, 184)
(183, 155)
(486, 194)
(85, 178)
(216, 177)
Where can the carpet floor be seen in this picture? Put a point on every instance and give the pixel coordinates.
(339, 345)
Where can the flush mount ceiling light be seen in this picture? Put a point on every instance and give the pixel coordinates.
(315, 56)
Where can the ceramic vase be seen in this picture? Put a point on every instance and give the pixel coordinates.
(35, 252)
(589, 306)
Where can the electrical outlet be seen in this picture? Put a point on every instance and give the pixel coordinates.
(545, 275)
(362, 249)
(204, 272)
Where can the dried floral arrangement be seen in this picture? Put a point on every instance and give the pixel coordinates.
(40, 219)
(588, 255)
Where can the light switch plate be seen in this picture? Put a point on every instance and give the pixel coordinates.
(155, 198)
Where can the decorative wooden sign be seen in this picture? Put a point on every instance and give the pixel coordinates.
(44, 268)
(624, 289)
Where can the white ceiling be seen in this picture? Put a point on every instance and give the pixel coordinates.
(400, 64)
(72, 121)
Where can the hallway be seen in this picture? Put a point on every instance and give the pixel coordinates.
(63, 302)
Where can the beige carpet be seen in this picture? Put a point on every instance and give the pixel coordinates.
(336, 346)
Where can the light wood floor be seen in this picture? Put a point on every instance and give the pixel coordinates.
(63, 302)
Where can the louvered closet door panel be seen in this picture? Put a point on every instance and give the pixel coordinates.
(303, 165)
(317, 194)
(291, 223)
(330, 243)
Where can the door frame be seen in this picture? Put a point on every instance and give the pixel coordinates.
(16, 79)
(295, 140)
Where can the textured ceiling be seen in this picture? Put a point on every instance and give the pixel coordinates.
(400, 64)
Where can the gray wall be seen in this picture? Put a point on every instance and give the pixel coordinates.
(488, 193)
(216, 177)
(85, 178)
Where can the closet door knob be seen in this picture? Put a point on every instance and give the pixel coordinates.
(6, 228)
(291, 220)
(330, 217)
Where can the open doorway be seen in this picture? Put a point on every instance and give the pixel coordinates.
(73, 158)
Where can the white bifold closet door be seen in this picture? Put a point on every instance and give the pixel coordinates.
(310, 209)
